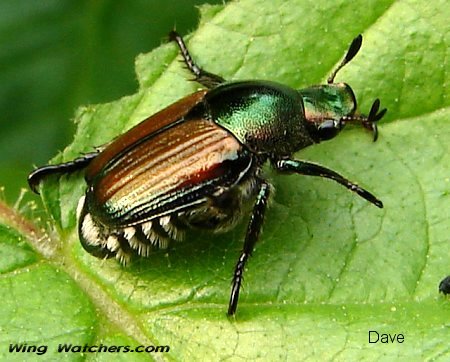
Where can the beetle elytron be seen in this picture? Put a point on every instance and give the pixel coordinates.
(198, 162)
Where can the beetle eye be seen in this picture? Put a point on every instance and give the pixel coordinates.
(328, 129)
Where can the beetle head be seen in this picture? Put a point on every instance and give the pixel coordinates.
(329, 107)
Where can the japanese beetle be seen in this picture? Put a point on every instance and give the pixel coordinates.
(198, 162)
(444, 285)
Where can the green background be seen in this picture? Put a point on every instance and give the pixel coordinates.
(56, 55)
(329, 266)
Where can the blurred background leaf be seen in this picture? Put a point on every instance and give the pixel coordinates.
(56, 55)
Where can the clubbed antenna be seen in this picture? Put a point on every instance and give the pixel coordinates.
(351, 52)
(369, 122)
(374, 117)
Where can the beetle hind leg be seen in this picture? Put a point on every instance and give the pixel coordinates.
(251, 237)
(207, 79)
(36, 176)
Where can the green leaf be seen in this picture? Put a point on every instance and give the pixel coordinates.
(56, 55)
(329, 267)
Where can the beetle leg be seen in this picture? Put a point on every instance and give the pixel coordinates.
(312, 169)
(207, 79)
(251, 237)
(35, 177)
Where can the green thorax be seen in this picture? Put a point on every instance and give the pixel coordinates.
(266, 117)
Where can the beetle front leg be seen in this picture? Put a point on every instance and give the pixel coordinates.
(312, 169)
(207, 79)
(251, 237)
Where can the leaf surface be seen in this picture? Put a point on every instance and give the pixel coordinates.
(329, 267)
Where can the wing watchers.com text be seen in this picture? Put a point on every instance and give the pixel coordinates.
(72, 348)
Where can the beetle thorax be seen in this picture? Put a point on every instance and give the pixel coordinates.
(264, 116)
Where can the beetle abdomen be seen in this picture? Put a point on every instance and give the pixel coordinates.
(219, 213)
(178, 178)
(106, 242)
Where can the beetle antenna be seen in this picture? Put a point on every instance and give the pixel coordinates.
(351, 52)
(373, 118)
(369, 122)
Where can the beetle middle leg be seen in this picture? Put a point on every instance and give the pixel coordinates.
(251, 237)
(207, 79)
(312, 169)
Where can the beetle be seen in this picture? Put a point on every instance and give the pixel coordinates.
(198, 162)
(444, 285)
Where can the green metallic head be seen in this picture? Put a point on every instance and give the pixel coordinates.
(329, 107)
